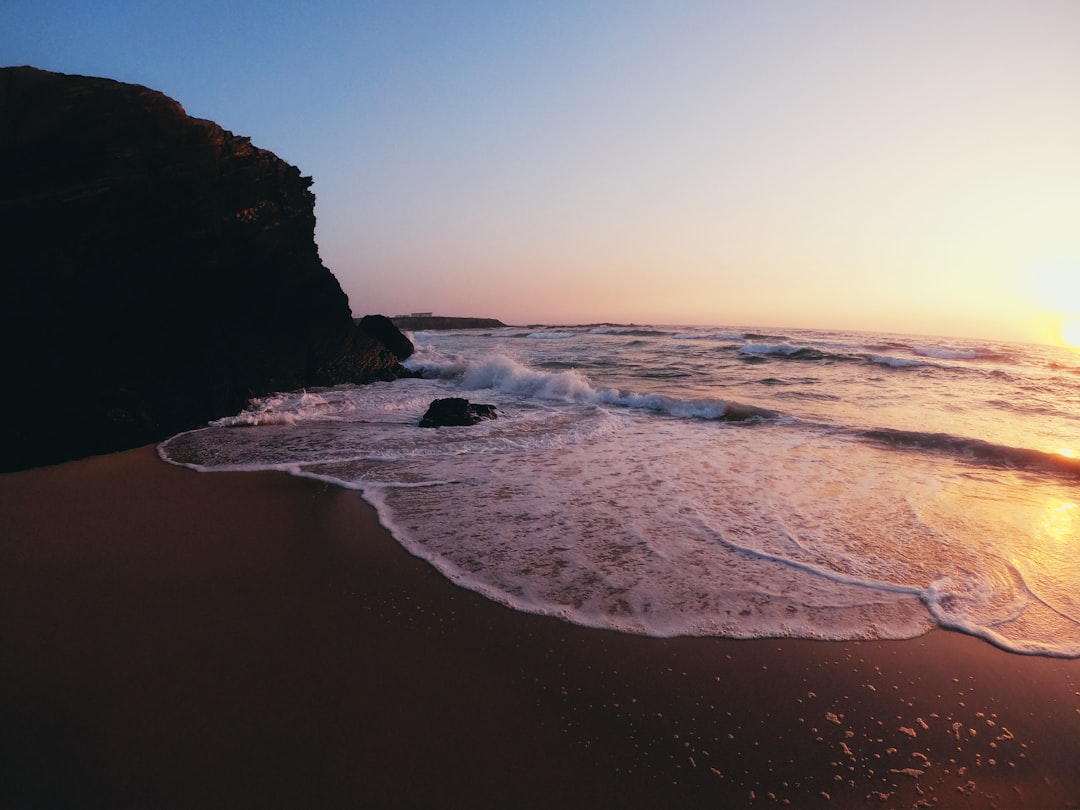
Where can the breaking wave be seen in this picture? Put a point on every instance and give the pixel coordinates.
(977, 450)
(854, 503)
(507, 376)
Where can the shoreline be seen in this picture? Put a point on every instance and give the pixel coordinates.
(177, 639)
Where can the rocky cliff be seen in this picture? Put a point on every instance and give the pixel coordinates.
(156, 270)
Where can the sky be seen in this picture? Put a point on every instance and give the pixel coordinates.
(908, 167)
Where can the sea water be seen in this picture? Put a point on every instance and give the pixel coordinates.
(716, 481)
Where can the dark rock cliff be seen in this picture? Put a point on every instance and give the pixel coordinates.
(156, 272)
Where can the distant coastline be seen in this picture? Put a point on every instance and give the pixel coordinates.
(426, 320)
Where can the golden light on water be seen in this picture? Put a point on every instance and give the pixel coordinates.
(1061, 521)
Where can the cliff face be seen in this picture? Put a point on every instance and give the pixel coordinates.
(157, 272)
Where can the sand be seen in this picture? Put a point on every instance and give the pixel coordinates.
(176, 639)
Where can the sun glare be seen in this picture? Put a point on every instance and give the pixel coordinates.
(1070, 333)
(1053, 286)
(1060, 521)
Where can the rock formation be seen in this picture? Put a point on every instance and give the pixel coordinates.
(157, 272)
(382, 329)
(455, 412)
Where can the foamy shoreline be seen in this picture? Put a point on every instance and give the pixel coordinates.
(182, 639)
(849, 507)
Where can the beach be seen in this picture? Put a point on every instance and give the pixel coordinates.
(251, 639)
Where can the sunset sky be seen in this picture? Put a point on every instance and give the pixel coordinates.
(899, 166)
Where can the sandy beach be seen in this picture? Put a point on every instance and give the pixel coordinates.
(176, 639)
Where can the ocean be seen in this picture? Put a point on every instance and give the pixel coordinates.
(712, 481)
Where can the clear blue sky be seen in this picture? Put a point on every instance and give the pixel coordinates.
(908, 166)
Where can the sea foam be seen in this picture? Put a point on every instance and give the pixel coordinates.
(285, 409)
(854, 500)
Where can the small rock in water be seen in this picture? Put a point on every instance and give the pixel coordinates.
(454, 412)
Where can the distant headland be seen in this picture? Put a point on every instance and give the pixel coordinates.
(426, 320)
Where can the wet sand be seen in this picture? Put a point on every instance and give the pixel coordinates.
(175, 639)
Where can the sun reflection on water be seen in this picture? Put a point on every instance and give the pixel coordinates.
(1060, 521)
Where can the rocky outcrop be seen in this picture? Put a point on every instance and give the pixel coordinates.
(157, 272)
(414, 323)
(455, 412)
(383, 330)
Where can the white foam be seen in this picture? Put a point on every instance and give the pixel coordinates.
(550, 530)
(701, 409)
(508, 376)
(543, 533)
(768, 348)
(551, 335)
(960, 605)
(946, 352)
(637, 511)
(895, 362)
(286, 409)
(432, 363)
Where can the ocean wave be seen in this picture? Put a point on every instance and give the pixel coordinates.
(1055, 366)
(961, 353)
(977, 450)
(945, 353)
(790, 352)
(668, 374)
(561, 365)
(811, 396)
(897, 362)
(888, 346)
(784, 349)
(759, 336)
(285, 409)
(778, 381)
(551, 335)
(633, 331)
(826, 529)
(730, 336)
(712, 409)
(507, 376)
(435, 365)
